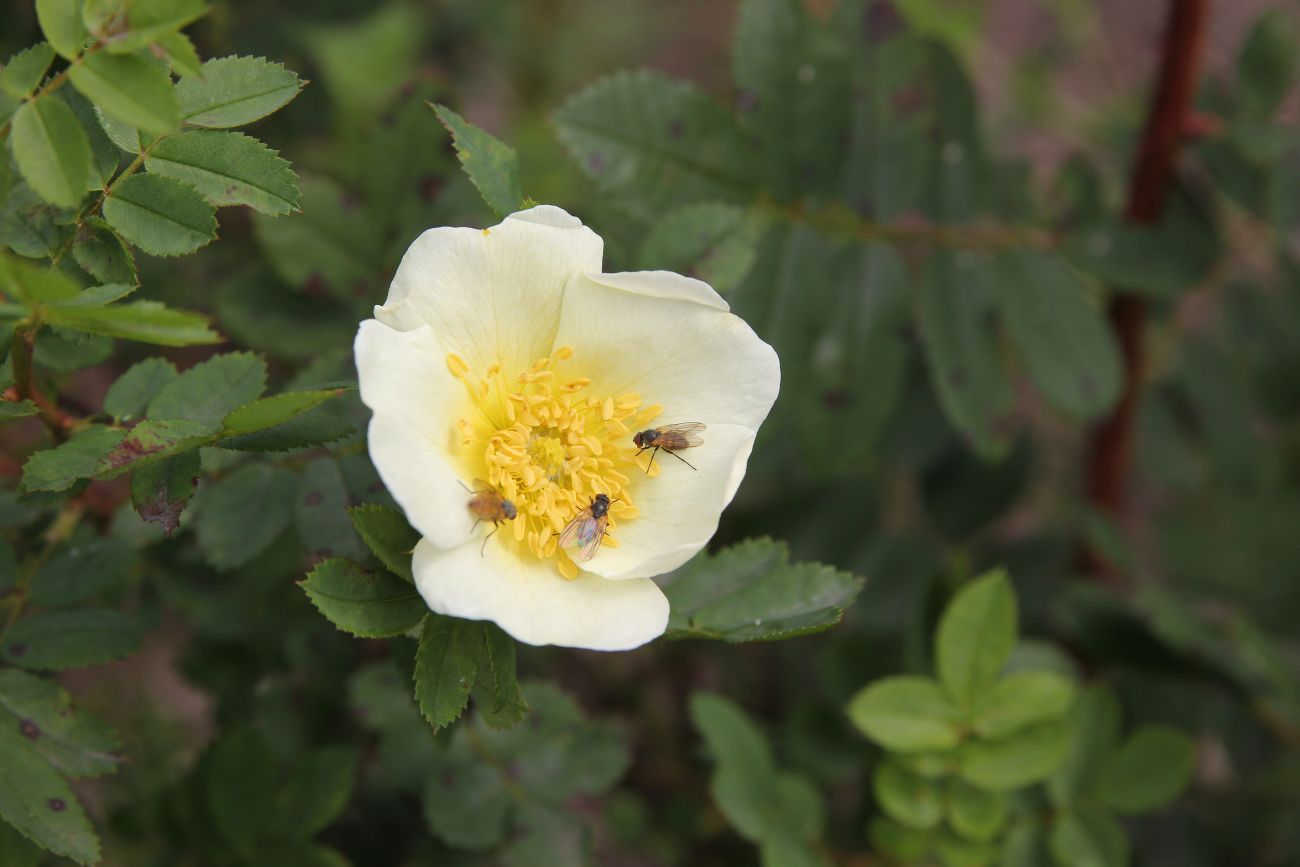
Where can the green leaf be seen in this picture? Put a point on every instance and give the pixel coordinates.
(16, 850)
(181, 54)
(465, 803)
(323, 424)
(910, 799)
(61, 23)
(332, 242)
(150, 441)
(103, 255)
(130, 88)
(160, 491)
(316, 791)
(161, 216)
(446, 666)
(74, 742)
(497, 696)
(657, 142)
(228, 168)
(954, 302)
(751, 592)
(364, 602)
(975, 813)
(60, 640)
(1088, 838)
(975, 637)
(146, 22)
(906, 714)
(26, 69)
(491, 164)
(1267, 64)
(128, 397)
(37, 802)
(10, 409)
(1016, 760)
(58, 468)
(230, 533)
(1062, 335)
(29, 225)
(233, 91)
(321, 515)
(955, 851)
(908, 845)
(239, 777)
(35, 283)
(1094, 728)
(52, 151)
(212, 389)
(1149, 770)
(83, 568)
(1021, 700)
(145, 321)
(715, 242)
(121, 134)
(268, 412)
(387, 533)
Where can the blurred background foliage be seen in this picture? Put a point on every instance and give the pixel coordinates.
(920, 204)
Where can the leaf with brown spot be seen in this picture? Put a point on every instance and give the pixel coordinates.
(161, 491)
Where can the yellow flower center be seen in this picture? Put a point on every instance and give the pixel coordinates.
(549, 447)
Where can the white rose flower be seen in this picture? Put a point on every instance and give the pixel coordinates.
(505, 355)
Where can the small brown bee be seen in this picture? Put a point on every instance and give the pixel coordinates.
(672, 438)
(587, 529)
(487, 505)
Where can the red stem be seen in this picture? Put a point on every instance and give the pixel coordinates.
(1111, 448)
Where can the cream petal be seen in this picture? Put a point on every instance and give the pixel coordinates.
(533, 603)
(415, 400)
(679, 508)
(492, 295)
(670, 339)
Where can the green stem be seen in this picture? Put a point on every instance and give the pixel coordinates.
(53, 84)
(60, 530)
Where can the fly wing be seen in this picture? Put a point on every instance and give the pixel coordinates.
(480, 485)
(572, 535)
(689, 431)
(591, 545)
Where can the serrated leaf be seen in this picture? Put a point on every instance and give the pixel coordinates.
(751, 592)
(58, 468)
(268, 412)
(128, 397)
(1066, 343)
(144, 21)
(388, 534)
(150, 441)
(366, 603)
(144, 321)
(83, 568)
(36, 800)
(446, 666)
(656, 141)
(35, 283)
(11, 409)
(24, 71)
(212, 389)
(491, 164)
(1148, 771)
(317, 426)
(954, 301)
(181, 54)
(74, 742)
(1020, 700)
(233, 91)
(1088, 838)
(715, 242)
(228, 168)
(52, 151)
(160, 491)
(906, 714)
(130, 88)
(61, 23)
(60, 640)
(1016, 760)
(161, 216)
(29, 225)
(497, 696)
(907, 798)
(122, 134)
(230, 533)
(102, 255)
(975, 637)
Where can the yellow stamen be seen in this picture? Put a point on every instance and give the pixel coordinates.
(549, 450)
